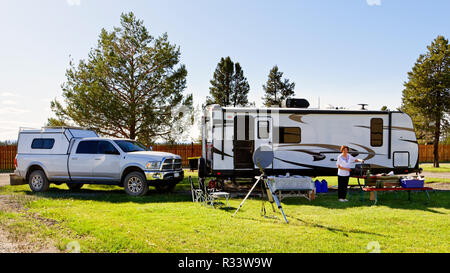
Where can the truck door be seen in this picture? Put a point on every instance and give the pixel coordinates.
(263, 132)
(106, 162)
(82, 160)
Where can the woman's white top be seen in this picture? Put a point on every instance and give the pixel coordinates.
(345, 162)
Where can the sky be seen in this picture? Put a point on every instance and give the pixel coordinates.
(340, 53)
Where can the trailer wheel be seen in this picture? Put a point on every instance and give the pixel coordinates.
(135, 184)
(74, 186)
(38, 181)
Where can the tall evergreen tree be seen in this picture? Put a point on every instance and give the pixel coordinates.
(229, 86)
(426, 97)
(277, 89)
(127, 87)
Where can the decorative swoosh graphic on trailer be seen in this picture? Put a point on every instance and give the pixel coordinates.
(217, 151)
(316, 156)
(333, 148)
(412, 141)
(387, 128)
(297, 118)
(303, 165)
(370, 153)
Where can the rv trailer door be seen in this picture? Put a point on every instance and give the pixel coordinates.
(263, 133)
(244, 141)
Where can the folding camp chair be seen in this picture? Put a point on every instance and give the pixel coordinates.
(196, 193)
(209, 197)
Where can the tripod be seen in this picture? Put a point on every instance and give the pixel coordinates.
(270, 193)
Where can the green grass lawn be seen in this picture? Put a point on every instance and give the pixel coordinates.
(443, 168)
(105, 219)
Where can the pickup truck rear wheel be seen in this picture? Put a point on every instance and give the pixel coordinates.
(38, 181)
(74, 186)
(135, 184)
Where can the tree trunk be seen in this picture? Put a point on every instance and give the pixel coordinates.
(437, 134)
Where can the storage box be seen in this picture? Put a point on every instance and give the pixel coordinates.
(193, 163)
(382, 181)
(412, 183)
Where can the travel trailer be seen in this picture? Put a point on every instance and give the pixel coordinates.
(304, 141)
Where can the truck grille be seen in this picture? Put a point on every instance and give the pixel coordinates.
(172, 164)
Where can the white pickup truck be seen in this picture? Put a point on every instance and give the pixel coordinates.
(77, 156)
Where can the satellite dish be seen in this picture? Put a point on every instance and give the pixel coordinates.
(263, 156)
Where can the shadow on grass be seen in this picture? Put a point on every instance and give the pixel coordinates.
(301, 222)
(113, 196)
(399, 200)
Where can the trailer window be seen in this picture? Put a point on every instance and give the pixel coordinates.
(290, 135)
(244, 127)
(376, 132)
(263, 129)
(43, 143)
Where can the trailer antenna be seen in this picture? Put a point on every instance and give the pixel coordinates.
(363, 106)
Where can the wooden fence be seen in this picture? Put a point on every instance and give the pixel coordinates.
(183, 150)
(8, 153)
(426, 153)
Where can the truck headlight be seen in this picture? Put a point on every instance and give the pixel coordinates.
(153, 165)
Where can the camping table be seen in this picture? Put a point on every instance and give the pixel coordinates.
(375, 190)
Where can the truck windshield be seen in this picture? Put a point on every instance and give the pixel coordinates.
(129, 146)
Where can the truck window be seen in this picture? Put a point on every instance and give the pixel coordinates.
(376, 132)
(43, 143)
(129, 146)
(290, 135)
(105, 147)
(87, 147)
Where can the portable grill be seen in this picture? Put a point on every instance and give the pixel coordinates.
(360, 171)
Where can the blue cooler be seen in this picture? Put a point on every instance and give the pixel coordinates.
(318, 186)
(324, 186)
(412, 183)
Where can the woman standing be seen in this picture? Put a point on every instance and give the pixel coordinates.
(344, 162)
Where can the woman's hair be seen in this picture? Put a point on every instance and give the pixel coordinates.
(344, 147)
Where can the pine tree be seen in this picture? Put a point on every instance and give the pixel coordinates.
(426, 97)
(276, 89)
(127, 87)
(229, 87)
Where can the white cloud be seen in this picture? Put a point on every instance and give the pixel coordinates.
(373, 2)
(8, 102)
(8, 94)
(73, 2)
(12, 110)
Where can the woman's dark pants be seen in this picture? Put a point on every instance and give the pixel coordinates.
(342, 186)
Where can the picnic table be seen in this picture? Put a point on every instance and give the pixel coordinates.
(374, 190)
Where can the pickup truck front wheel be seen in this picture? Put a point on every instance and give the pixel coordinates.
(38, 181)
(135, 184)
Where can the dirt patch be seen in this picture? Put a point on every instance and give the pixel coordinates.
(16, 242)
(4, 179)
(436, 175)
(439, 186)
